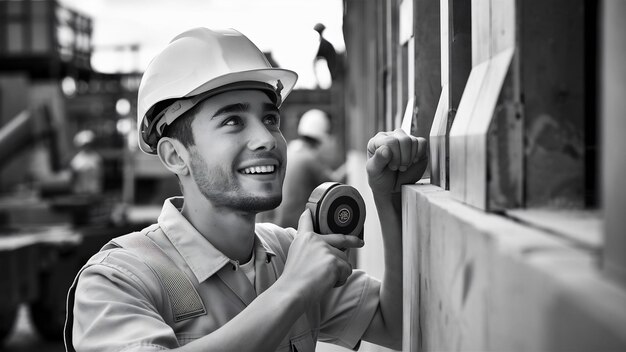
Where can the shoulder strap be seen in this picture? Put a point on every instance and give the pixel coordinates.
(185, 300)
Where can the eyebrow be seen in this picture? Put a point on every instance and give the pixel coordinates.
(270, 107)
(243, 107)
(238, 107)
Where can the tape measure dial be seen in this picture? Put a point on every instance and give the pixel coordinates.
(337, 208)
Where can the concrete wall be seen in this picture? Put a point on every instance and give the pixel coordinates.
(475, 281)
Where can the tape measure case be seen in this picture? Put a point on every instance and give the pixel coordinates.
(337, 208)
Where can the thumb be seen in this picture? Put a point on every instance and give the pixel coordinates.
(305, 224)
(380, 159)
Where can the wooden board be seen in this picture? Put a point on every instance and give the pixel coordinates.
(614, 144)
(487, 283)
(458, 132)
(438, 142)
(476, 133)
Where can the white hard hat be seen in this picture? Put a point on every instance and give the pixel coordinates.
(195, 65)
(315, 124)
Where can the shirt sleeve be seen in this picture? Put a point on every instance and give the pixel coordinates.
(114, 308)
(347, 311)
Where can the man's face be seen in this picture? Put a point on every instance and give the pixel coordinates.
(238, 160)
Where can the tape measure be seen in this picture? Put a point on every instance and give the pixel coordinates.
(337, 208)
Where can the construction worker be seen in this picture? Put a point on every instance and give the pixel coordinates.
(205, 277)
(307, 167)
(327, 64)
(86, 165)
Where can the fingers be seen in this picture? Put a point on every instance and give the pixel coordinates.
(379, 159)
(305, 223)
(395, 150)
(415, 147)
(422, 152)
(405, 143)
(343, 241)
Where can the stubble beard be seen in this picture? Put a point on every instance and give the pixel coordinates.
(223, 190)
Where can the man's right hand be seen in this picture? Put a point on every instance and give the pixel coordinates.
(316, 263)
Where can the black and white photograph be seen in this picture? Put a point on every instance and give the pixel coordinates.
(299, 175)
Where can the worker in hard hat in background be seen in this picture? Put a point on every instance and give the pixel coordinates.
(327, 64)
(86, 165)
(206, 277)
(307, 167)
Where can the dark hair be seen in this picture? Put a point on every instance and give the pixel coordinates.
(180, 129)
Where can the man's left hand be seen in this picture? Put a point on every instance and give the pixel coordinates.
(395, 159)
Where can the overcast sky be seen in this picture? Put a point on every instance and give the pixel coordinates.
(284, 27)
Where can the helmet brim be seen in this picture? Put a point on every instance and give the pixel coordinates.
(282, 80)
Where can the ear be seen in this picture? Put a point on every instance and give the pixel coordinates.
(173, 155)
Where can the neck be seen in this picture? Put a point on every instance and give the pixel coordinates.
(231, 232)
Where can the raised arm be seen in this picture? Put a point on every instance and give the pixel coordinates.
(394, 159)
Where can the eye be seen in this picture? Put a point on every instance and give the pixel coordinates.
(271, 120)
(232, 121)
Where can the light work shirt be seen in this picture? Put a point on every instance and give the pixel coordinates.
(120, 304)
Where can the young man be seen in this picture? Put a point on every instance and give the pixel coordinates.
(206, 277)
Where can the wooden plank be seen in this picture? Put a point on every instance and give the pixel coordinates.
(582, 227)
(502, 20)
(455, 70)
(505, 147)
(493, 41)
(481, 31)
(410, 273)
(413, 248)
(476, 134)
(481, 34)
(411, 72)
(490, 284)
(361, 109)
(502, 42)
(438, 142)
(427, 70)
(391, 57)
(614, 144)
(460, 44)
(458, 132)
(444, 25)
(406, 20)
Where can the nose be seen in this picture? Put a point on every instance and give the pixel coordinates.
(261, 138)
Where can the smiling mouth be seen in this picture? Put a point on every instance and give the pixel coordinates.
(258, 170)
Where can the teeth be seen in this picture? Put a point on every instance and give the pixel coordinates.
(259, 169)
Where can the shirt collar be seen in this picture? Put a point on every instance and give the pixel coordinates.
(201, 256)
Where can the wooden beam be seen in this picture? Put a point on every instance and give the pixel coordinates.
(438, 142)
(360, 33)
(485, 139)
(614, 144)
(427, 63)
(456, 64)
(487, 283)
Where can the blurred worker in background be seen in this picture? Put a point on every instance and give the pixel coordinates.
(86, 165)
(206, 277)
(307, 167)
